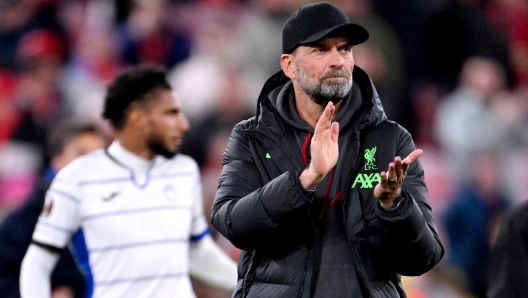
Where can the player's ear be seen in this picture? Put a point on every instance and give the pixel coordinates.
(136, 116)
(287, 62)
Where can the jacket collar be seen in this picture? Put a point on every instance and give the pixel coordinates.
(131, 161)
(278, 86)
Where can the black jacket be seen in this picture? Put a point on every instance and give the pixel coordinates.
(262, 209)
(508, 268)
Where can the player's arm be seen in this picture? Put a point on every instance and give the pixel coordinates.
(36, 269)
(207, 262)
(54, 229)
(210, 264)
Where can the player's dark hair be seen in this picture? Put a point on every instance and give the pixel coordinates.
(131, 86)
(65, 131)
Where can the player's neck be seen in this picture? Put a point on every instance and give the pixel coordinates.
(135, 145)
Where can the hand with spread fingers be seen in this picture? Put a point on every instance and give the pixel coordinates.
(389, 188)
(324, 149)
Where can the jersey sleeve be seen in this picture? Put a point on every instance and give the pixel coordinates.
(59, 218)
(199, 226)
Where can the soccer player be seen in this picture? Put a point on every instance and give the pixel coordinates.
(133, 211)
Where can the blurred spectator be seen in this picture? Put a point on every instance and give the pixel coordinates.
(94, 63)
(425, 100)
(40, 56)
(94, 56)
(473, 219)
(39, 59)
(460, 30)
(76, 15)
(10, 114)
(68, 141)
(469, 119)
(18, 17)
(230, 109)
(200, 79)
(146, 35)
(256, 45)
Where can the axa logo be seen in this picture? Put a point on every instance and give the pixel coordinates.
(367, 180)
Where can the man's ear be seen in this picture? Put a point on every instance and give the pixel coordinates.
(288, 66)
(136, 117)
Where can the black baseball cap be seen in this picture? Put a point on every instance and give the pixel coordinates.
(315, 21)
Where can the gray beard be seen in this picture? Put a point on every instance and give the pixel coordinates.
(324, 92)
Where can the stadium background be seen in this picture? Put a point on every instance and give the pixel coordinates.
(453, 72)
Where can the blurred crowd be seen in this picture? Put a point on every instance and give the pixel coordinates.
(452, 72)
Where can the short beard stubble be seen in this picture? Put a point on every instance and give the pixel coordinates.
(323, 92)
(156, 145)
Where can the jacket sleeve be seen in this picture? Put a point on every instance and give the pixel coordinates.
(248, 212)
(414, 246)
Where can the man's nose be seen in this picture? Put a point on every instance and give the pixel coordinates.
(336, 59)
(183, 123)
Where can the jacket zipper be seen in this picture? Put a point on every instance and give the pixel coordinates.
(305, 272)
(345, 193)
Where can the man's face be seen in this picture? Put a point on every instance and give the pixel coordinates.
(324, 69)
(166, 123)
(79, 145)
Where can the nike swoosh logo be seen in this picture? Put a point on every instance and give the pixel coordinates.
(113, 195)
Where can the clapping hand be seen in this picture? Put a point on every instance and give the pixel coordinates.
(324, 149)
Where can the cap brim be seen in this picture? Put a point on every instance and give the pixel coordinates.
(356, 34)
